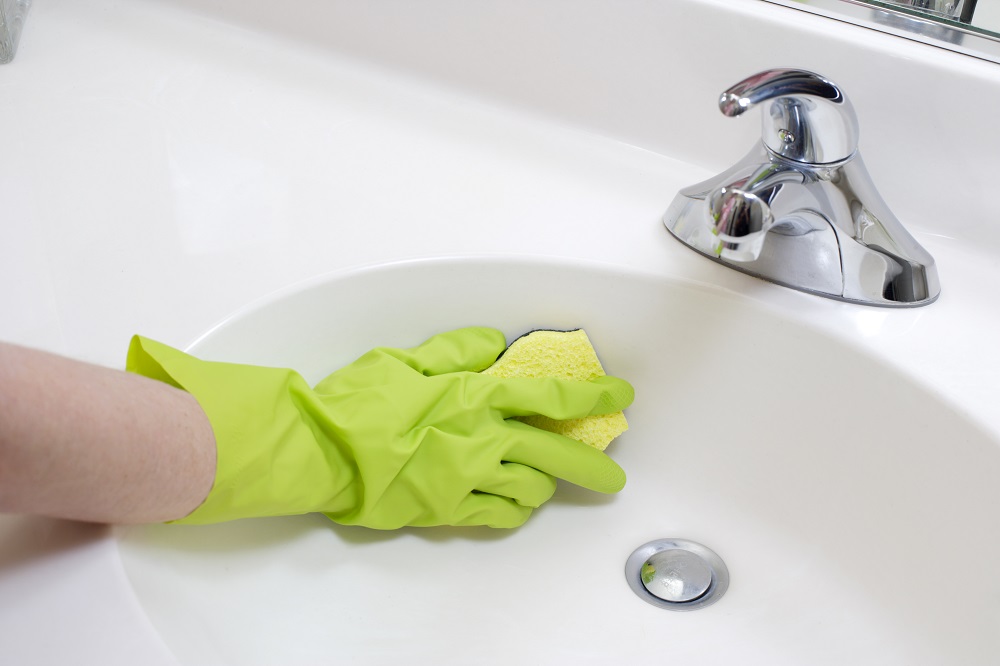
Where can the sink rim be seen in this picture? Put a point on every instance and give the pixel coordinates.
(457, 260)
(897, 337)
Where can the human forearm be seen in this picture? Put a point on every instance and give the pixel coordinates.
(84, 442)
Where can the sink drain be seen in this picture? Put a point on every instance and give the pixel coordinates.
(677, 574)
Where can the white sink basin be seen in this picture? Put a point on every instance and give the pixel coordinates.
(842, 496)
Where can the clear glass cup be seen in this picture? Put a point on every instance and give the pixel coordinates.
(12, 14)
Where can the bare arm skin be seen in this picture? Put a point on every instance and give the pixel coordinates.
(84, 442)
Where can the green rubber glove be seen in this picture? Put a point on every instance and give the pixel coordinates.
(399, 437)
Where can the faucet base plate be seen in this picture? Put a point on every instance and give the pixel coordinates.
(806, 236)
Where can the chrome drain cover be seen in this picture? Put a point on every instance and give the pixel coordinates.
(677, 574)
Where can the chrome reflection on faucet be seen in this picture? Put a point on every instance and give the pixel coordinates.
(800, 209)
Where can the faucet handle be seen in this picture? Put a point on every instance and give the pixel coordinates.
(808, 120)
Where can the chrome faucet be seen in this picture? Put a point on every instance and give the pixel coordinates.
(800, 209)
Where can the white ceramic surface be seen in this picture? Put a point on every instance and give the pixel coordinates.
(168, 161)
(853, 507)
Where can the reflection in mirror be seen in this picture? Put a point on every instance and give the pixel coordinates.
(984, 16)
(958, 10)
(971, 27)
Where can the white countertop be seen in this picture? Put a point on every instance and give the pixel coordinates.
(162, 181)
(164, 167)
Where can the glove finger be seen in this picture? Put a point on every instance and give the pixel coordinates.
(558, 399)
(564, 458)
(525, 485)
(466, 349)
(491, 510)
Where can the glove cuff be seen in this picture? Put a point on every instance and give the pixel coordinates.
(270, 453)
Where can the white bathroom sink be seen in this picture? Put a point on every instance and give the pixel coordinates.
(853, 507)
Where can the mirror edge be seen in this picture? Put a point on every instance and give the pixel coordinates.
(908, 25)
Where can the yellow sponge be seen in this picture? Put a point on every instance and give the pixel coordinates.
(567, 355)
